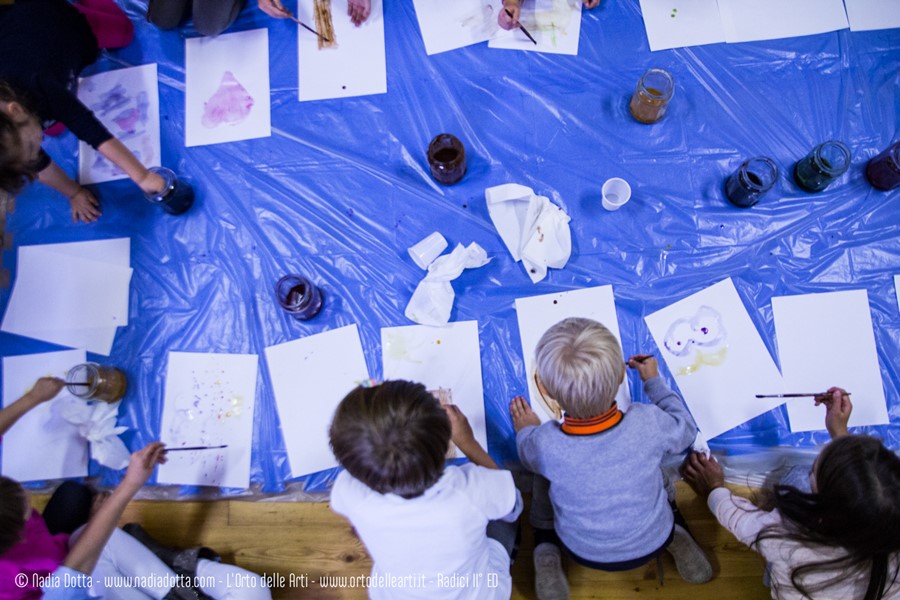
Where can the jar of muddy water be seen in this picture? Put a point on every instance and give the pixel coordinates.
(651, 96)
(91, 381)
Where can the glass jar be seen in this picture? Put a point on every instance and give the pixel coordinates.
(447, 159)
(651, 96)
(751, 181)
(91, 381)
(298, 296)
(883, 171)
(176, 197)
(825, 163)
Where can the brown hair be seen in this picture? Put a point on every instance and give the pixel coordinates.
(393, 437)
(15, 171)
(12, 513)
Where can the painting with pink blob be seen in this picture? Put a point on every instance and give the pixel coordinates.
(126, 101)
(226, 92)
(229, 105)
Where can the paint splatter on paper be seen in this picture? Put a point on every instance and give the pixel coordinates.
(127, 103)
(701, 337)
(230, 104)
(209, 402)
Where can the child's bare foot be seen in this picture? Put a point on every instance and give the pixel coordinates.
(522, 415)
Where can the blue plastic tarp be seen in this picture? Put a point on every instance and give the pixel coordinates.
(341, 189)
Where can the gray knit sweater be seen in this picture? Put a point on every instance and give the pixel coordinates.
(609, 501)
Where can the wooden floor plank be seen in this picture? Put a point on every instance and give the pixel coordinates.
(295, 543)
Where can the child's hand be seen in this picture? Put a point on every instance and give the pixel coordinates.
(152, 183)
(45, 388)
(591, 3)
(274, 8)
(646, 366)
(522, 415)
(504, 19)
(85, 207)
(142, 464)
(358, 10)
(461, 432)
(837, 411)
(702, 474)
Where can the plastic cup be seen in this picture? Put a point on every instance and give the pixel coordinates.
(424, 252)
(616, 192)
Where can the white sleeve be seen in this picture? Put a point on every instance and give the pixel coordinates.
(492, 491)
(740, 516)
(340, 493)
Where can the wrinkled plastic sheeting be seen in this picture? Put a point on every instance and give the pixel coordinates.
(342, 188)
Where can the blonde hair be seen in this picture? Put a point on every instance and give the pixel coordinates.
(580, 363)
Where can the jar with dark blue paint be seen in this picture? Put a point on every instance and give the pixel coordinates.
(751, 181)
(176, 197)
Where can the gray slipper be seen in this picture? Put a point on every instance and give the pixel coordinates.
(550, 581)
(690, 560)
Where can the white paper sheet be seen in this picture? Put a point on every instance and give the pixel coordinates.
(310, 377)
(127, 102)
(115, 251)
(897, 289)
(209, 401)
(227, 88)
(717, 357)
(451, 25)
(536, 314)
(745, 21)
(440, 358)
(63, 452)
(679, 23)
(355, 67)
(95, 293)
(867, 15)
(827, 340)
(554, 24)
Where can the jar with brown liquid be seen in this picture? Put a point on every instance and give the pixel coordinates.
(447, 159)
(91, 381)
(651, 96)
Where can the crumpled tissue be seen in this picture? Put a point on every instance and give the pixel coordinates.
(432, 301)
(535, 230)
(96, 422)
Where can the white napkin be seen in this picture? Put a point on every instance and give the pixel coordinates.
(535, 230)
(432, 301)
(96, 422)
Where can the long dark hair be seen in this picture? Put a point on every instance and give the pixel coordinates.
(856, 507)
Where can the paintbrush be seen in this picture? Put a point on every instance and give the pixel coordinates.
(525, 31)
(79, 383)
(795, 395)
(307, 27)
(195, 448)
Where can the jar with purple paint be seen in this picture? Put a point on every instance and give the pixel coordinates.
(883, 171)
(298, 296)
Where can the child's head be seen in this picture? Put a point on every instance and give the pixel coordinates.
(857, 481)
(14, 507)
(855, 505)
(20, 141)
(580, 365)
(393, 437)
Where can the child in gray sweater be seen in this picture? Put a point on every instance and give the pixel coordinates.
(599, 492)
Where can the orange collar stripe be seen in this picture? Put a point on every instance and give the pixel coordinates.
(592, 425)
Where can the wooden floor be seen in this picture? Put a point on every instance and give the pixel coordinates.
(301, 542)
